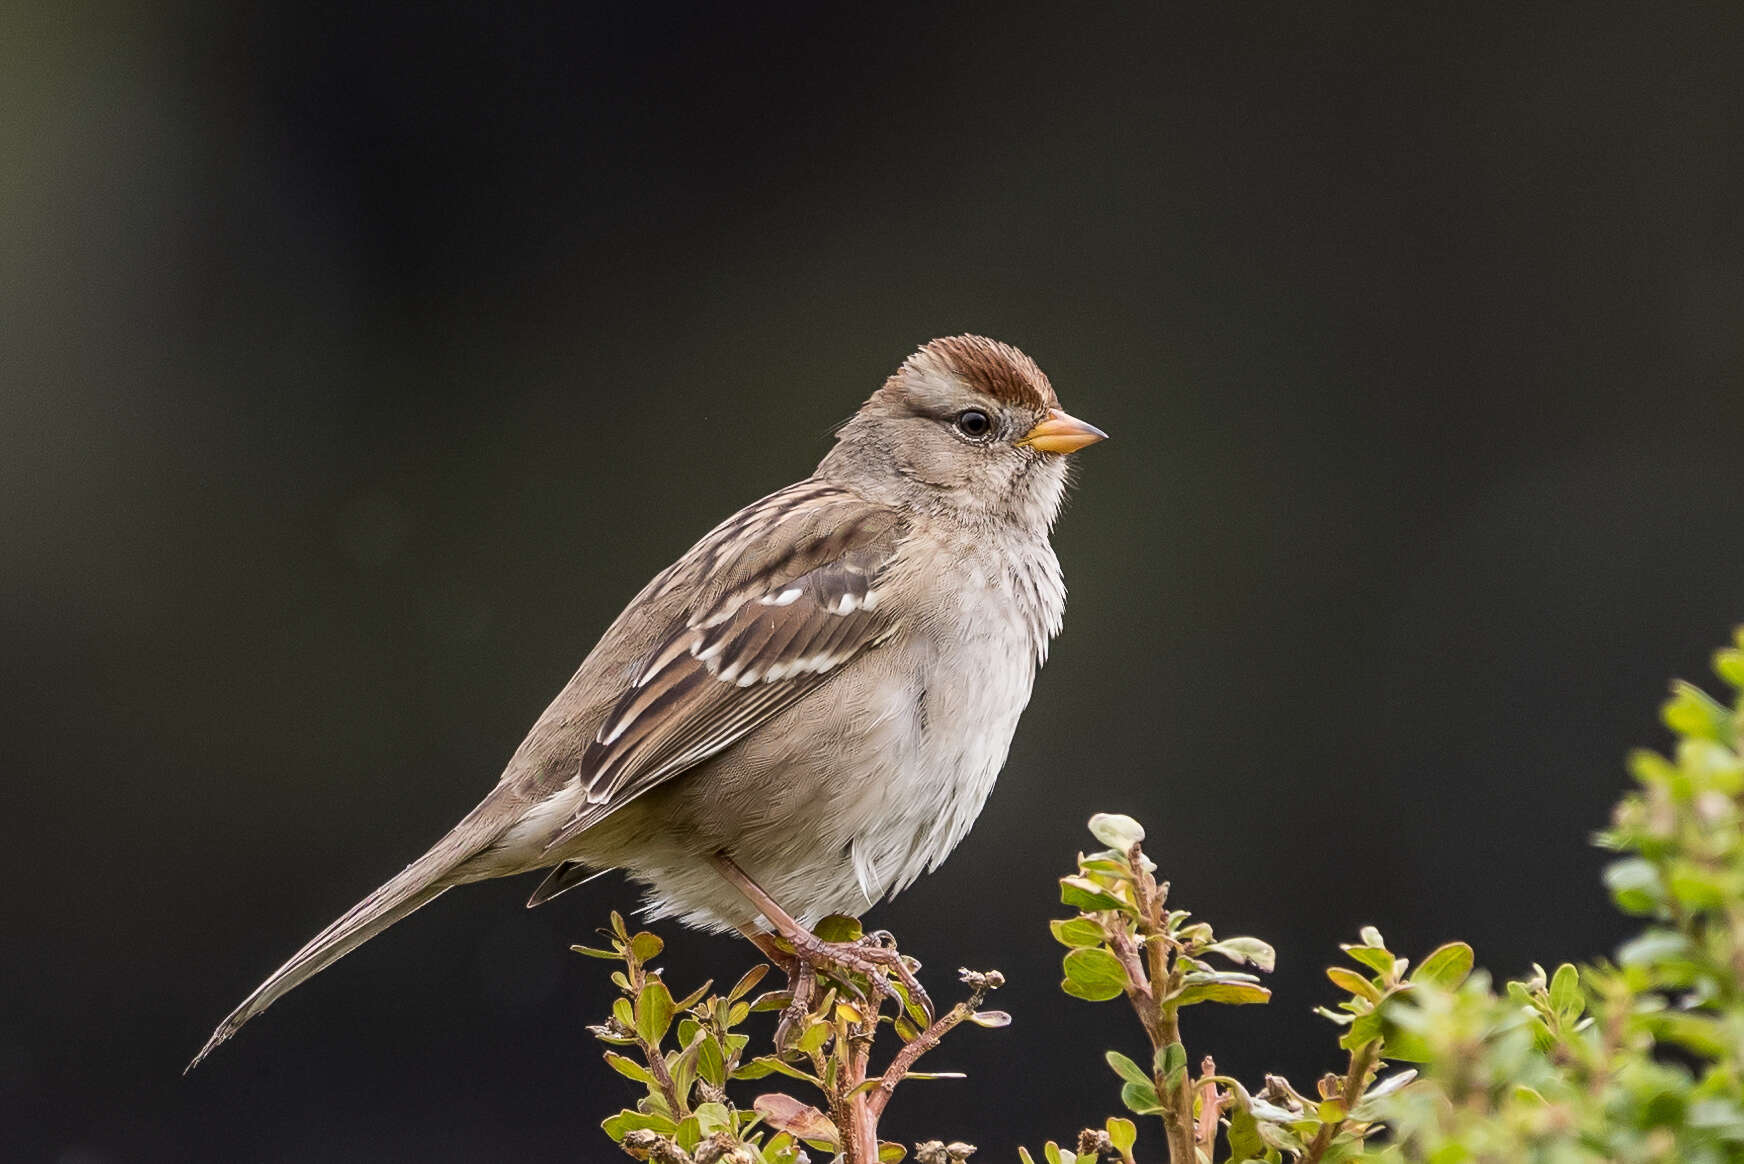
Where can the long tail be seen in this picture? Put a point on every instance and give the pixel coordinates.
(419, 883)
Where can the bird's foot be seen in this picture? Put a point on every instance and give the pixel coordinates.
(873, 957)
(802, 982)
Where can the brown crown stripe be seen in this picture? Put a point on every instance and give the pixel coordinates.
(995, 368)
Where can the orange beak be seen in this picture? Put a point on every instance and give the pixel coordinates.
(1060, 433)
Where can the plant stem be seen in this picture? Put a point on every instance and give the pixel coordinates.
(657, 1068)
(1151, 979)
(1362, 1061)
(1177, 1100)
(912, 1050)
(656, 1061)
(855, 1119)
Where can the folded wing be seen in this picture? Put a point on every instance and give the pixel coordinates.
(755, 651)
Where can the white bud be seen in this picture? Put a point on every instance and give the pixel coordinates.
(1116, 830)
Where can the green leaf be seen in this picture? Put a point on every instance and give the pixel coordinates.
(815, 1036)
(1363, 1031)
(1084, 894)
(1116, 830)
(1693, 712)
(646, 946)
(1375, 959)
(1141, 1099)
(1652, 946)
(1565, 993)
(1635, 885)
(1126, 1068)
(627, 1121)
(890, 1152)
(693, 997)
(1246, 951)
(1077, 932)
(1696, 1033)
(1276, 1135)
(1170, 1061)
(1245, 1141)
(628, 1068)
(710, 1064)
(1446, 966)
(1729, 665)
(653, 1011)
(1122, 1133)
(1697, 887)
(911, 1007)
(1094, 975)
(595, 952)
(839, 928)
(1231, 989)
(681, 1065)
(770, 1065)
(1407, 1046)
(748, 983)
(1353, 983)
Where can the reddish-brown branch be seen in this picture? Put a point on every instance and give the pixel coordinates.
(1210, 1105)
(912, 1050)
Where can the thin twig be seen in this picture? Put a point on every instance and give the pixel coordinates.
(914, 1049)
(1362, 1061)
(1210, 1104)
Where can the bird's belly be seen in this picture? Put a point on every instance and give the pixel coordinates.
(830, 808)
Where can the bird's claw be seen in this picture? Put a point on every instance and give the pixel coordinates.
(802, 980)
(867, 956)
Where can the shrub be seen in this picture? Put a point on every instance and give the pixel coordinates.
(1639, 1058)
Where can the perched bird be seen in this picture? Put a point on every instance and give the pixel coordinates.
(808, 709)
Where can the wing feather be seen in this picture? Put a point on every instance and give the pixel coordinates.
(755, 651)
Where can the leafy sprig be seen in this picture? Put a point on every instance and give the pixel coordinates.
(685, 1114)
(1640, 1058)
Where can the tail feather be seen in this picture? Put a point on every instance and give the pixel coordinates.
(362, 922)
(565, 877)
(417, 885)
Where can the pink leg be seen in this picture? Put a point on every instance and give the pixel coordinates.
(812, 950)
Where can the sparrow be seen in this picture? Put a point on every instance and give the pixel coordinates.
(809, 708)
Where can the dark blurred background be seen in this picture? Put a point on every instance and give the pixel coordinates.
(359, 365)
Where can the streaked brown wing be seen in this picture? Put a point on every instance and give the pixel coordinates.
(752, 653)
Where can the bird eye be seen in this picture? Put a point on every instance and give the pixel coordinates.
(972, 422)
